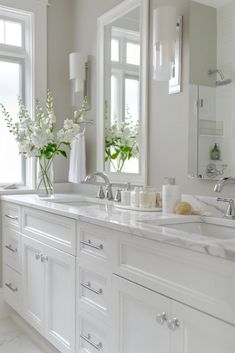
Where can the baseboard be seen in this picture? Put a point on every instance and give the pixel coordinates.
(5, 310)
(33, 334)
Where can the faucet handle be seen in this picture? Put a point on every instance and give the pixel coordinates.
(108, 192)
(118, 196)
(230, 213)
(100, 193)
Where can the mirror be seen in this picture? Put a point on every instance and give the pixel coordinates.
(212, 107)
(122, 91)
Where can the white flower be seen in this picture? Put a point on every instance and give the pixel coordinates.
(41, 137)
(68, 124)
(38, 137)
(67, 134)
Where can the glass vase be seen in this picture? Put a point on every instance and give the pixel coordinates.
(45, 186)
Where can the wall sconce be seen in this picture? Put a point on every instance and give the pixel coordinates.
(167, 47)
(79, 72)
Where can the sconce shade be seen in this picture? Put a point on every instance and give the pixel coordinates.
(164, 38)
(77, 63)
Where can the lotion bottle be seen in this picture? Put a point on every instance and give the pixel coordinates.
(170, 196)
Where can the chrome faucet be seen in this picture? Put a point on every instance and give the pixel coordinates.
(230, 213)
(222, 182)
(108, 186)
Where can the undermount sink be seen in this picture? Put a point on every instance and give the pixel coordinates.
(206, 229)
(88, 201)
(217, 228)
(79, 203)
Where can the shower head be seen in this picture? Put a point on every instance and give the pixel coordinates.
(224, 82)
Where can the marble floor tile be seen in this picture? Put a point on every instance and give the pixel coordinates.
(14, 340)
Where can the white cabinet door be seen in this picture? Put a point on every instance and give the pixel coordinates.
(60, 299)
(33, 278)
(198, 332)
(136, 324)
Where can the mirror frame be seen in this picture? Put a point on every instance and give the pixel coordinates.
(104, 20)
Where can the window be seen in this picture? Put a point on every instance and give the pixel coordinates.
(115, 50)
(11, 33)
(13, 62)
(125, 84)
(133, 53)
(22, 73)
(10, 87)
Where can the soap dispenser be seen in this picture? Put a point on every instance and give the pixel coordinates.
(170, 196)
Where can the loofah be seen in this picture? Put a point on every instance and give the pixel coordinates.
(183, 208)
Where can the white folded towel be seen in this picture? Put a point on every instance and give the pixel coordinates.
(77, 161)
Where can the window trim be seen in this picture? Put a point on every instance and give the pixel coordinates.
(34, 13)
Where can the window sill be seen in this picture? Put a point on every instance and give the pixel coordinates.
(58, 188)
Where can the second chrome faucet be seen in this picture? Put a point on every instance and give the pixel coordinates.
(230, 213)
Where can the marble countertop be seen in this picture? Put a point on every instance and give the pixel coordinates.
(148, 225)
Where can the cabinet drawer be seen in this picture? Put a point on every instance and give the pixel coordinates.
(12, 288)
(201, 281)
(11, 214)
(93, 289)
(95, 244)
(92, 336)
(57, 231)
(11, 247)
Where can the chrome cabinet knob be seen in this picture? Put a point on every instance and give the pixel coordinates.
(161, 318)
(44, 258)
(37, 256)
(173, 324)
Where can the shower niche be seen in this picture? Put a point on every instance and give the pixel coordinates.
(212, 90)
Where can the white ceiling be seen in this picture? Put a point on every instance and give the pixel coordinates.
(215, 3)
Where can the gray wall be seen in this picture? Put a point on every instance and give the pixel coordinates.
(59, 46)
(202, 44)
(168, 115)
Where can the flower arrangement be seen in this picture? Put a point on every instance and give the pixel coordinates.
(121, 142)
(39, 137)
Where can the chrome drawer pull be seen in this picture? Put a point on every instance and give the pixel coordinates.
(88, 286)
(87, 338)
(9, 247)
(89, 243)
(15, 218)
(9, 285)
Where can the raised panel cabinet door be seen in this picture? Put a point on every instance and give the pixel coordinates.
(33, 279)
(60, 299)
(198, 332)
(139, 319)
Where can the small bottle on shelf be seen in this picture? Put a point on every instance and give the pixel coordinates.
(215, 153)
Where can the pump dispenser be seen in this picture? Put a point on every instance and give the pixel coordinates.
(170, 196)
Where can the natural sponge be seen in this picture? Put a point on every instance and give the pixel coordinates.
(183, 208)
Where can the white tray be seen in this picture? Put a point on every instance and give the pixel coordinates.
(124, 207)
